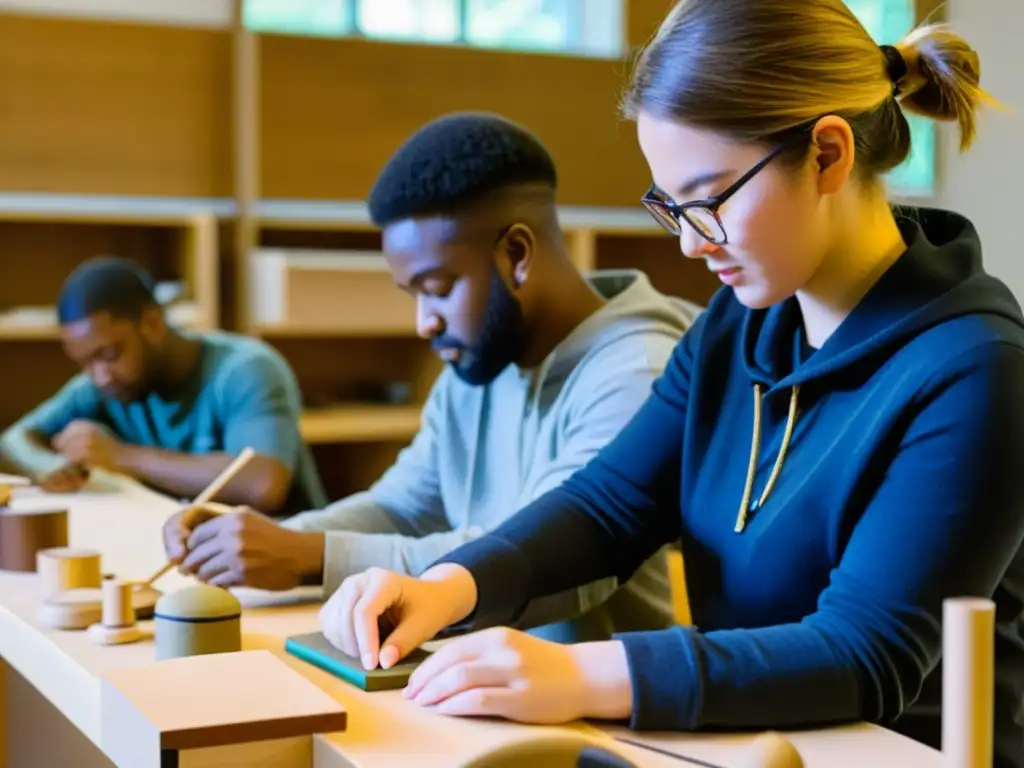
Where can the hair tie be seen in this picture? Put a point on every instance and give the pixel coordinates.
(895, 65)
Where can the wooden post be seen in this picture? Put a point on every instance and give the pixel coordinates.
(3, 714)
(968, 640)
(245, 119)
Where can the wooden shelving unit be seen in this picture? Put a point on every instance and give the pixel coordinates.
(364, 383)
(45, 237)
(349, 370)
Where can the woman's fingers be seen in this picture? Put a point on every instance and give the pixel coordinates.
(480, 702)
(451, 653)
(336, 616)
(461, 677)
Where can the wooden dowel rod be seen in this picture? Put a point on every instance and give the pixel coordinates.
(223, 478)
(968, 671)
(207, 495)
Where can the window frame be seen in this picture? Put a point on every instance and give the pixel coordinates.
(576, 44)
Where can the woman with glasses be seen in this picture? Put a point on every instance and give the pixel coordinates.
(836, 443)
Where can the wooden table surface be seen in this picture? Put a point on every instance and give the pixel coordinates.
(123, 522)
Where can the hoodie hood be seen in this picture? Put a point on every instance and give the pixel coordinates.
(633, 308)
(938, 278)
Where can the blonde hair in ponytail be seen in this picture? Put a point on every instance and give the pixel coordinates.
(756, 70)
(943, 79)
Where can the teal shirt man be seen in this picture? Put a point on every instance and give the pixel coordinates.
(170, 408)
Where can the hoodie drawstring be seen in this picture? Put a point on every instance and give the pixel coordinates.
(755, 448)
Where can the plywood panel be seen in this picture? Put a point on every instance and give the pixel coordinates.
(104, 107)
(333, 111)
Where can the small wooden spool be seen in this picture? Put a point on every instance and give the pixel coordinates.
(772, 750)
(968, 680)
(65, 568)
(24, 532)
(81, 608)
(117, 616)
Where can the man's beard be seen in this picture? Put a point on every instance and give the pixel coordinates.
(501, 341)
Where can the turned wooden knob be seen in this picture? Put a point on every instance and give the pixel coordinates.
(117, 617)
(772, 750)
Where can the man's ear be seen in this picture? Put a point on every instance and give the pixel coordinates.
(152, 323)
(834, 151)
(520, 246)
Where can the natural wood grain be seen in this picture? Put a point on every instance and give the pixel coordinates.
(66, 667)
(326, 136)
(105, 107)
(215, 700)
(295, 752)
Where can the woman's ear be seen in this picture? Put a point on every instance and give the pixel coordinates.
(834, 152)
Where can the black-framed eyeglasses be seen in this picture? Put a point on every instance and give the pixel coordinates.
(702, 215)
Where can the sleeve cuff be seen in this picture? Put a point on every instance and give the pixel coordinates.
(665, 673)
(502, 577)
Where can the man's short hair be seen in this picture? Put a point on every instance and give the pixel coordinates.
(118, 286)
(455, 160)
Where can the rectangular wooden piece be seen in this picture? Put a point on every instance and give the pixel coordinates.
(209, 701)
(296, 752)
(314, 648)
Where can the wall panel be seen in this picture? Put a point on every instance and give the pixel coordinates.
(111, 108)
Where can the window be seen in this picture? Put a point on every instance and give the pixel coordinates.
(583, 27)
(888, 21)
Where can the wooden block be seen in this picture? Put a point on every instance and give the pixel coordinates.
(24, 532)
(239, 702)
(313, 648)
(296, 752)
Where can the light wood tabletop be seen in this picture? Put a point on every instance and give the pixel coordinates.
(53, 679)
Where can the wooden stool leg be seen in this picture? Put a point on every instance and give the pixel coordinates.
(677, 582)
(3, 714)
(968, 671)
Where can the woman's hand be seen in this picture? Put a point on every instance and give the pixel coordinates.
(510, 674)
(412, 611)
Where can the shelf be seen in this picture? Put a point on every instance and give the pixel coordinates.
(349, 214)
(279, 213)
(35, 206)
(40, 323)
(296, 331)
(360, 423)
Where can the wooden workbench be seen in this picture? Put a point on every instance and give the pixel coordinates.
(51, 704)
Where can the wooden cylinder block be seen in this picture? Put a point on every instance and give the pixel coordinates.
(65, 568)
(24, 532)
(968, 670)
(118, 610)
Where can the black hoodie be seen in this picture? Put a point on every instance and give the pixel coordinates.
(887, 476)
